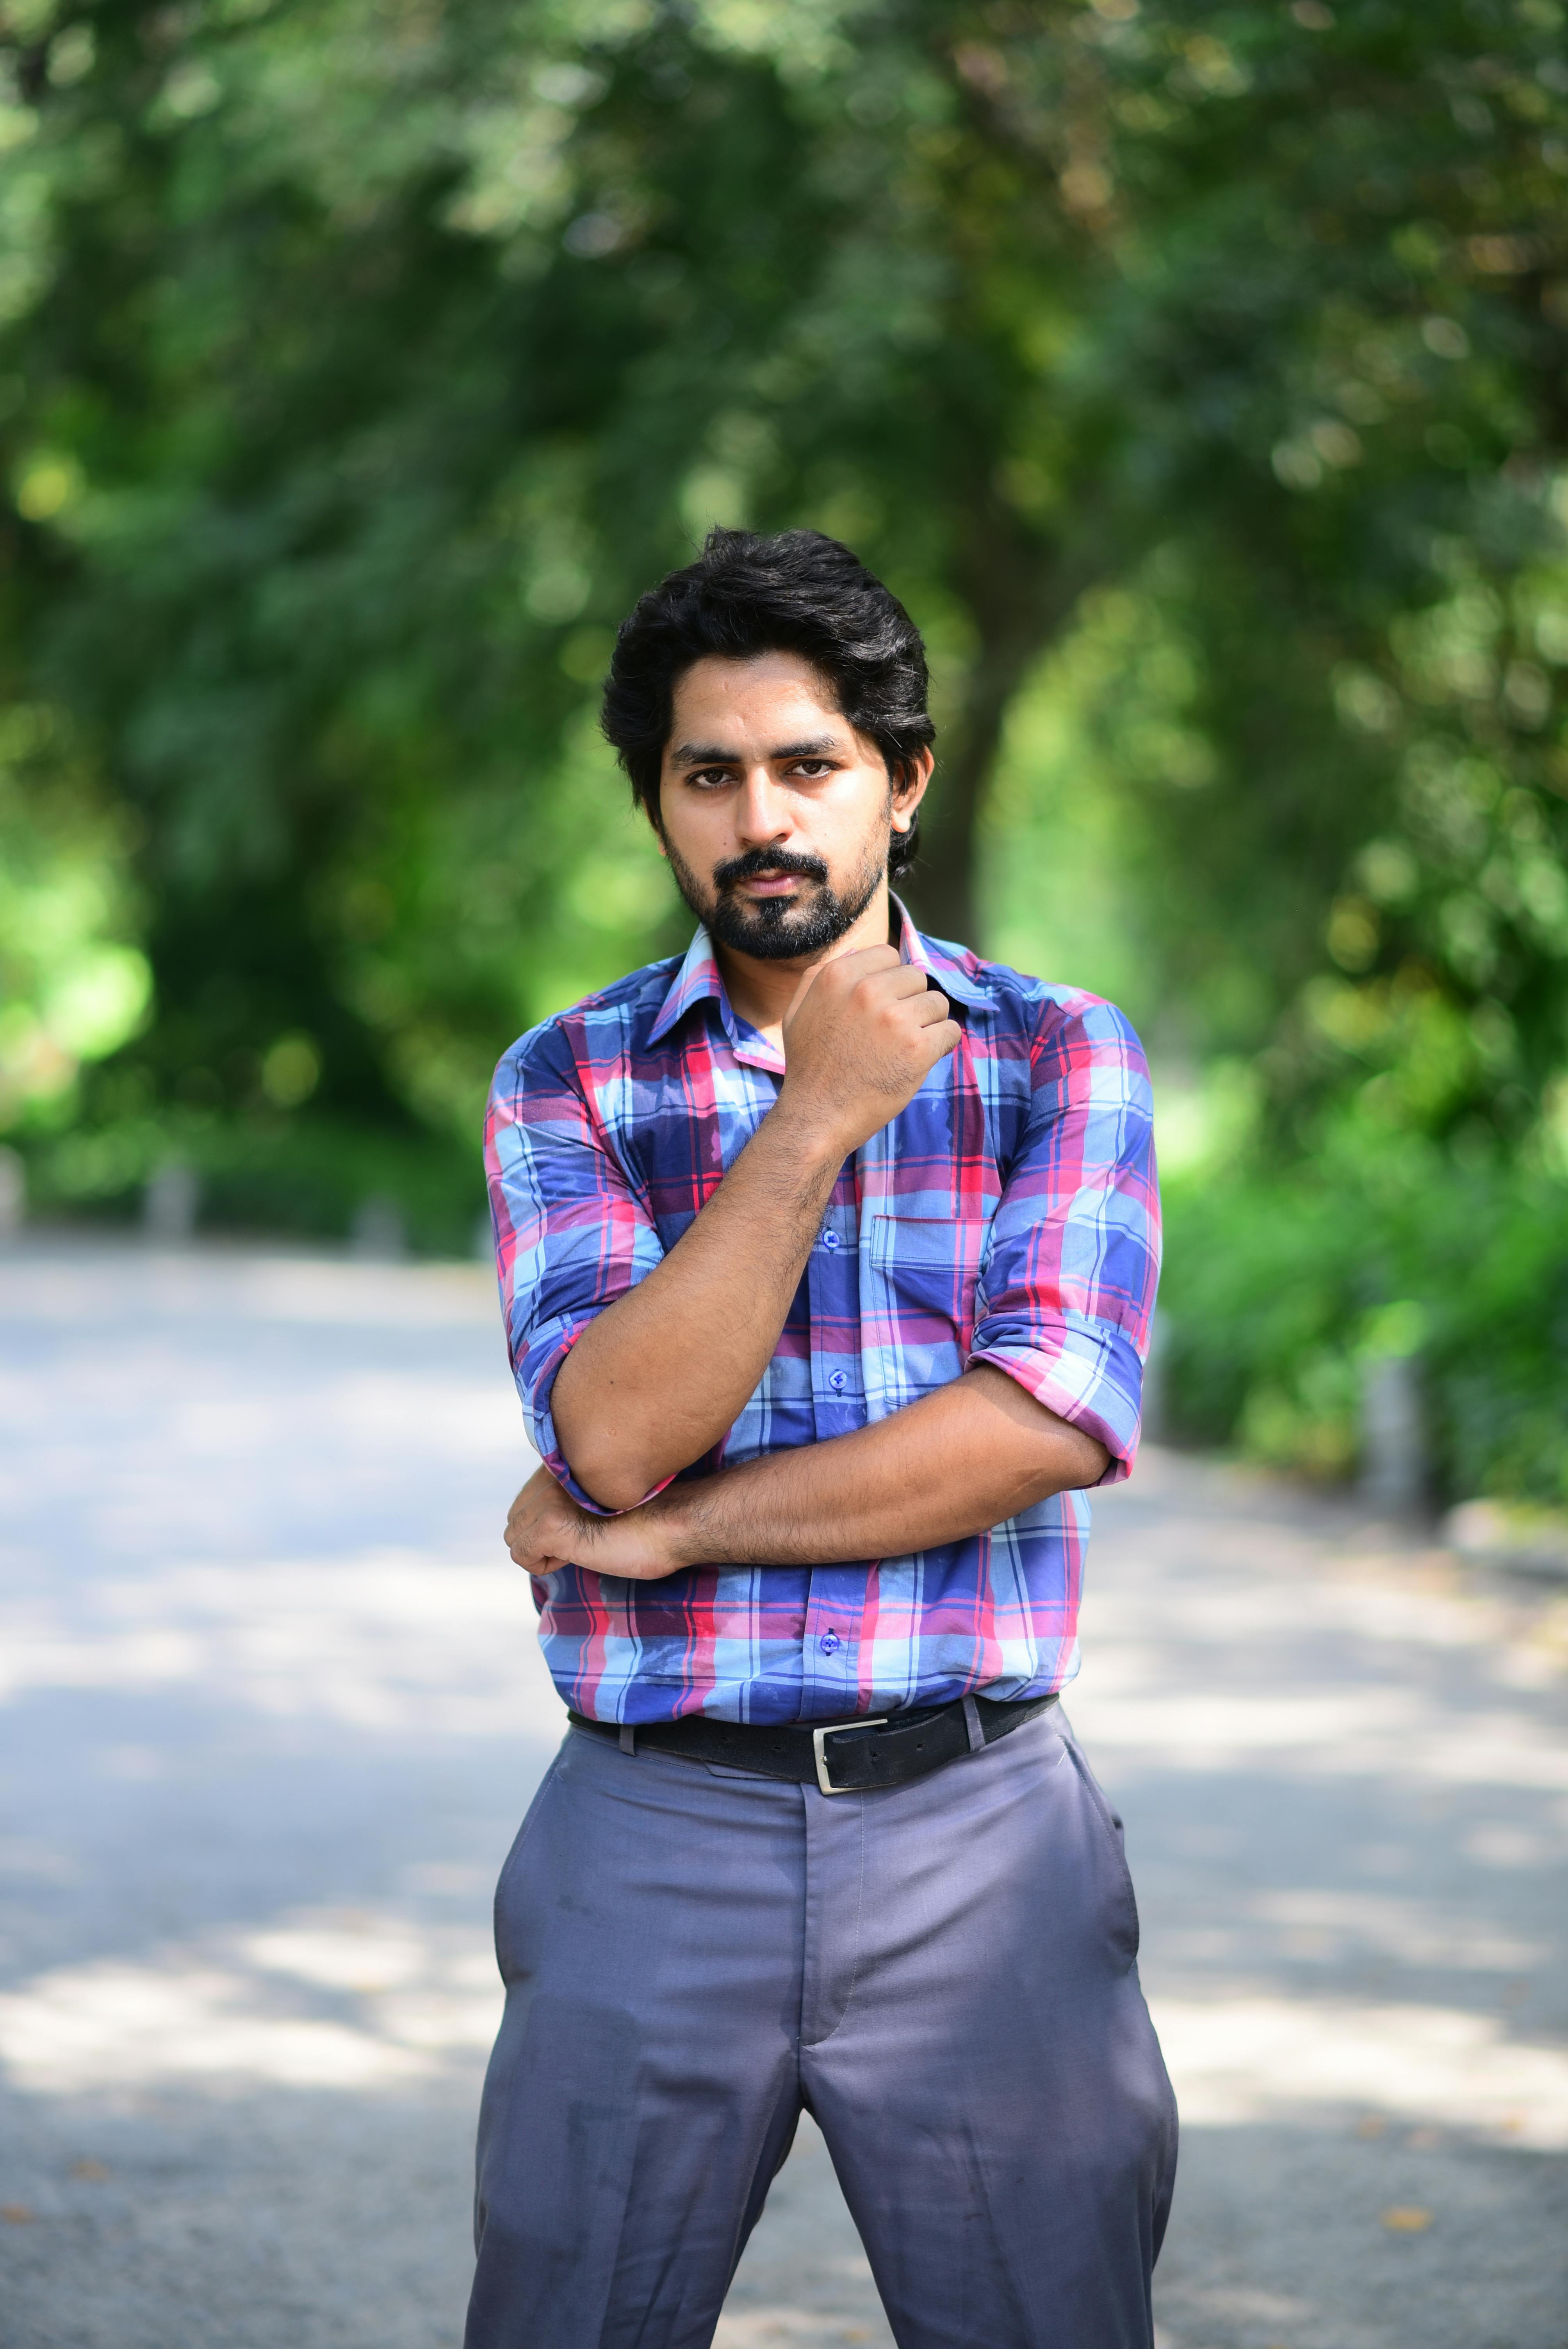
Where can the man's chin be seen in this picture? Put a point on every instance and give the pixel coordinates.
(778, 932)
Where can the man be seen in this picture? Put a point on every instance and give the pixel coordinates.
(826, 1257)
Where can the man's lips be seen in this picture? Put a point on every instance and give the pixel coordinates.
(769, 884)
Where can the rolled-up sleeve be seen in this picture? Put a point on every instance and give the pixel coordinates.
(1066, 1293)
(572, 1232)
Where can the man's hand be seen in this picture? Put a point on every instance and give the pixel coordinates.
(860, 1037)
(546, 1530)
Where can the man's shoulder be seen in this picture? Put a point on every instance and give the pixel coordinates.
(1022, 1003)
(596, 1031)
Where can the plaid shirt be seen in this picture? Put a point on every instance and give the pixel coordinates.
(1008, 1215)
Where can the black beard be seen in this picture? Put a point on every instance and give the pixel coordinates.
(776, 929)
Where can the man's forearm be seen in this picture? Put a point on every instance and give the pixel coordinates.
(658, 1377)
(951, 1465)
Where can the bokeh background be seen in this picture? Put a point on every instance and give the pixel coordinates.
(1197, 373)
(1197, 370)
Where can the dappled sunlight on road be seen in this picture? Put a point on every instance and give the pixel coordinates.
(390, 1640)
(1261, 2058)
(1344, 1764)
(1329, 1732)
(277, 1708)
(239, 2008)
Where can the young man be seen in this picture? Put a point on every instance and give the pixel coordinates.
(826, 1257)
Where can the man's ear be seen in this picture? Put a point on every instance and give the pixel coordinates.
(909, 780)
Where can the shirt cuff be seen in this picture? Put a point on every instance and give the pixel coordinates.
(1088, 1372)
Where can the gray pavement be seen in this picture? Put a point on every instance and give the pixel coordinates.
(272, 1709)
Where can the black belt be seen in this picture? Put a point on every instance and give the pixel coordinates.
(845, 1757)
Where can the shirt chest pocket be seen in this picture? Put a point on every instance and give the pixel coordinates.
(931, 1265)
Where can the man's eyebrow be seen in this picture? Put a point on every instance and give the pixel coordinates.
(709, 754)
(704, 754)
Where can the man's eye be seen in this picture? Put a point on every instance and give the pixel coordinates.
(812, 768)
(709, 779)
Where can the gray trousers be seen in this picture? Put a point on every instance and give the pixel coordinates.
(943, 1974)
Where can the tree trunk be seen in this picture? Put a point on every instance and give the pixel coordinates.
(1018, 591)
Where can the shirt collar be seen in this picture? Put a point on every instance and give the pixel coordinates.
(941, 960)
(699, 976)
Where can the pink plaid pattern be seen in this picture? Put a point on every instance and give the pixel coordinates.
(1009, 1215)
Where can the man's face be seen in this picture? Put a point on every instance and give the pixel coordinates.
(775, 815)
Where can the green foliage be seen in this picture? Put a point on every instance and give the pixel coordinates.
(363, 362)
(72, 988)
(1282, 1290)
(310, 1178)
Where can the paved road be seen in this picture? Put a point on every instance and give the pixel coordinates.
(272, 1709)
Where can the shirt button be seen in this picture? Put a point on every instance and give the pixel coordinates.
(828, 1643)
(838, 1381)
(831, 1240)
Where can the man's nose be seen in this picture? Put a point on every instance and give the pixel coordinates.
(763, 813)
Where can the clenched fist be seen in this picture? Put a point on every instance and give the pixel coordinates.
(860, 1037)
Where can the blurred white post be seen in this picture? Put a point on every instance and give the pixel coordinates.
(170, 1202)
(13, 1193)
(377, 1234)
(1394, 1464)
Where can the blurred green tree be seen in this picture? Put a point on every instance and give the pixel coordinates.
(1200, 367)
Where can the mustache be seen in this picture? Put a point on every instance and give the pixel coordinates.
(758, 861)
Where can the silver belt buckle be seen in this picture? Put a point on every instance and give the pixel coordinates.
(834, 1729)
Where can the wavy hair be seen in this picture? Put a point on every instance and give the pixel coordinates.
(797, 592)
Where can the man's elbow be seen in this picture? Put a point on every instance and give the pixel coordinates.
(1068, 1460)
(598, 1437)
(1050, 1454)
(1083, 1462)
(608, 1477)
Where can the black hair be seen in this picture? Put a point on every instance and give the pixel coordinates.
(798, 592)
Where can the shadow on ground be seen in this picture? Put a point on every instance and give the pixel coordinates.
(272, 1710)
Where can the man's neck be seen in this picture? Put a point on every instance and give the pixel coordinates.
(761, 992)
